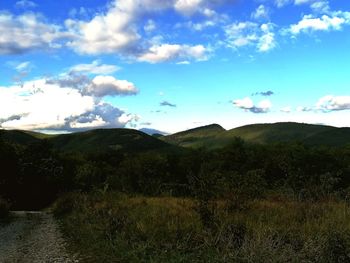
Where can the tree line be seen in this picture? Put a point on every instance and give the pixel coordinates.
(33, 176)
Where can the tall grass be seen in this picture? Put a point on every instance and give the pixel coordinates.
(112, 227)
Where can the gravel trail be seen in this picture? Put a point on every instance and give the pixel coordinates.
(32, 237)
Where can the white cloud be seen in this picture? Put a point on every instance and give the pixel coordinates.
(20, 34)
(25, 4)
(185, 62)
(166, 52)
(250, 33)
(310, 23)
(128, 118)
(261, 13)
(247, 104)
(333, 103)
(99, 86)
(118, 29)
(97, 122)
(282, 3)
(109, 86)
(320, 7)
(94, 68)
(23, 66)
(111, 32)
(267, 40)
(241, 33)
(38, 105)
(150, 26)
(188, 7)
(300, 2)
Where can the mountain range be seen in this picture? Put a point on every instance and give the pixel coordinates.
(211, 137)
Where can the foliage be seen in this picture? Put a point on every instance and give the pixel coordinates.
(112, 227)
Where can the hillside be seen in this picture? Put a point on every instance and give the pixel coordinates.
(195, 138)
(213, 137)
(20, 137)
(91, 141)
(105, 139)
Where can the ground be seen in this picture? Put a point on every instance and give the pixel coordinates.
(33, 237)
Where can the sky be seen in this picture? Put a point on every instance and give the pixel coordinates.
(172, 65)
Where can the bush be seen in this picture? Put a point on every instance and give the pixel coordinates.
(65, 204)
(4, 208)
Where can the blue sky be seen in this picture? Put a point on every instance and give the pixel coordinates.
(173, 64)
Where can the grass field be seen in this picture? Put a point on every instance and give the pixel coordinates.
(117, 228)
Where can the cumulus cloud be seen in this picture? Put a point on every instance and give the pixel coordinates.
(333, 103)
(109, 86)
(247, 104)
(71, 80)
(250, 33)
(167, 103)
(38, 105)
(118, 30)
(166, 52)
(188, 7)
(99, 86)
(94, 68)
(310, 23)
(27, 32)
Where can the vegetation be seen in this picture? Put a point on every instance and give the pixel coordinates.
(147, 201)
(110, 227)
(214, 136)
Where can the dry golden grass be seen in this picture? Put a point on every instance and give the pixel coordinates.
(115, 228)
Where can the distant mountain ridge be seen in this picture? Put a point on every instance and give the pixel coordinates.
(91, 141)
(211, 137)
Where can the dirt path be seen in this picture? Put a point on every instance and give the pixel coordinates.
(32, 237)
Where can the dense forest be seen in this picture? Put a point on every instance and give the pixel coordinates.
(34, 175)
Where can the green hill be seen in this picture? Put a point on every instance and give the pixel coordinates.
(196, 137)
(20, 137)
(106, 139)
(211, 137)
(91, 141)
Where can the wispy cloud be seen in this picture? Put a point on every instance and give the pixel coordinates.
(96, 67)
(264, 93)
(167, 104)
(25, 4)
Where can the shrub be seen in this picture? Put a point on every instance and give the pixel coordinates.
(65, 204)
